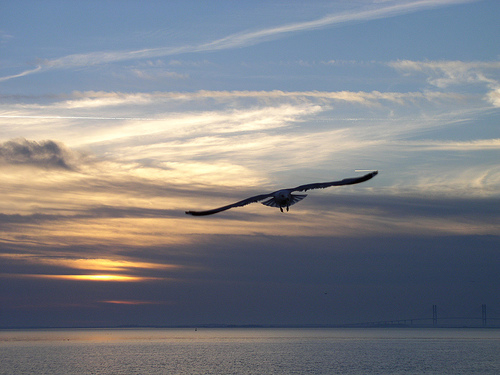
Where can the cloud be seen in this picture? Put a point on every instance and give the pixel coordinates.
(5, 37)
(230, 140)
(130, 302)
(238, 40)
(382, 10)
(202, 149)
(92, 100)
(46, 154)
(443, 74)
(157, 74)
(186, 129)
(494, 97)
(473, 145)
(22, 74)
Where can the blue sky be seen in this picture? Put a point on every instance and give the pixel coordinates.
(117, 116)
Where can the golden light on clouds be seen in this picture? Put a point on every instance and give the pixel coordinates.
(105, 264)
(116, 278)
(128, 302)
(97, 269)
(89, 277)
(130, 178)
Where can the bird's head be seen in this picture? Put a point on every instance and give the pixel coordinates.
(282, 196)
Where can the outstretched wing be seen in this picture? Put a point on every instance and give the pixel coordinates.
(345, 181)
(244, 202)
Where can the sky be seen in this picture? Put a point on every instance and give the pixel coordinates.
(118, 116)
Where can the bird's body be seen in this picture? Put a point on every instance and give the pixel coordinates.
(284, 198)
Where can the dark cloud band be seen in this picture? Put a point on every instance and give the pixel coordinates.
(45, 154)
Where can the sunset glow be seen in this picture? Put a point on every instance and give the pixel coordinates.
(117, 118)
(104, 278)
(133, 302)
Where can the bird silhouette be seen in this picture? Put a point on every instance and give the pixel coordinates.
(284, 198)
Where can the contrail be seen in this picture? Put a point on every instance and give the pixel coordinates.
(25, 73)
(242, 39)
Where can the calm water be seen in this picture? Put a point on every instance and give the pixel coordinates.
(251, 351)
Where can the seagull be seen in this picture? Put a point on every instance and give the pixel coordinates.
(284, 198)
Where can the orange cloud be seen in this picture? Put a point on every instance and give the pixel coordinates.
(134, 302)
(93, 277)
(103, 264)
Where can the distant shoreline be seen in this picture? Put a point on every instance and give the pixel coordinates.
(254, 326)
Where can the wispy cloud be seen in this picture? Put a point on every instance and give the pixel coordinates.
(232, 140)
(93, 277)
(480, 144)
(242, 39)
(380, 10)
(5, 37)
(22, 74)
(92, 100)
(158, 74)
(134, 302)
(443, 74)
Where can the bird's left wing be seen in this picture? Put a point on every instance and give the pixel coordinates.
(244, 202)
(345, 181)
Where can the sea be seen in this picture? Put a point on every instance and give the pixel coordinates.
(267, 351)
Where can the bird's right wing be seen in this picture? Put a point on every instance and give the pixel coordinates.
(244, 202)
(345, 181)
